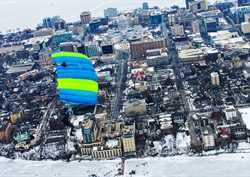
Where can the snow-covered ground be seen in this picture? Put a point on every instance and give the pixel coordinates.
(245, 113)
(22, 168)
(170, 145)
(230, 165)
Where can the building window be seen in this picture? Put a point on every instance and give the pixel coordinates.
(199, 6)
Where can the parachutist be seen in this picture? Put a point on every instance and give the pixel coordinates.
(66, 121)
(64, 64)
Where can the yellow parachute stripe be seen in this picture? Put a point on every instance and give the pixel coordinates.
(77, 84)
(69, 54)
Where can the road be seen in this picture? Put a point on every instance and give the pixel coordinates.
(175, 64)
(121, 76)
(44, 124)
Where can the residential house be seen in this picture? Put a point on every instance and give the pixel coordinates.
(139, 76)
(140, 87)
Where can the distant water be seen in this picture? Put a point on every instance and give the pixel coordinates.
(28, 13)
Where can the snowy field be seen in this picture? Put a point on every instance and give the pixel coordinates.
(228, 165)
(22, 168)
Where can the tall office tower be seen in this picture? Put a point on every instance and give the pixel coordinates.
(110, 12)
(215, 79)
(47, 23)
(54, 20)
(86, 17)
(92, 49)
(60, 24)
(145, 6)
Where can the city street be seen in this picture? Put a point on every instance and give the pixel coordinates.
(120, 78)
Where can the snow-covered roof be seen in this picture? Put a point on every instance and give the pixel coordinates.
(112, 143)
(245, 112)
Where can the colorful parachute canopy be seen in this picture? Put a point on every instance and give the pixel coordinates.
(76, 78)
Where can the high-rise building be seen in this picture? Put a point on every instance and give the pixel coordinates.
(237, 14)
(145, 6)
(60, 24)
(54, 20)
(177, 30)
(128, 140)
(86, 17)
(47, 23)
(215, 79)
(89, 131)
(62, 36)
(198, 6)
(110, 12)
(195, 26)
(139, 48)
(94, 26)
(209, 24)
(92, 49)
(186, 20)
(155, 18)
(171, 19)
(187, 3)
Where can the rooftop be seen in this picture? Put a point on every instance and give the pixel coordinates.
(20, 68)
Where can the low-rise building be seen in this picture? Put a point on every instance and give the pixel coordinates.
(190, 55)
(6, 130)
(17, 115)
(178, 118)
(134, 107)
(112, 149)
(230, 113)
(208, 138)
